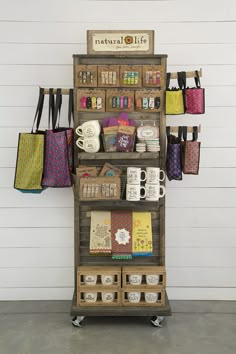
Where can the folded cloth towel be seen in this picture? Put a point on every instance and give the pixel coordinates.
(121, 234)
(100, 233)
(141, 234)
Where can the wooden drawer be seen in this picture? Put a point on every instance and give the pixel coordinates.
(98, 272)
(153, 76)
(146, 295)
(108, 75)
(131, 75)
(148, 94)
(121, 94)
(90, 93)
(151, 276)
(98, 296)
(86, 76)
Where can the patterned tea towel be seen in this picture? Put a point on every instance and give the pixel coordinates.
(100, 233)
(121, 234)
(142, 234)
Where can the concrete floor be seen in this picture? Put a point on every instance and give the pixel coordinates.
(45, 328)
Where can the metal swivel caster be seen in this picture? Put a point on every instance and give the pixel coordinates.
(77, 320)
(156, 321)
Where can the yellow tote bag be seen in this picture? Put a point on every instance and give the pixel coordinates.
(174, 98)
(30, 156)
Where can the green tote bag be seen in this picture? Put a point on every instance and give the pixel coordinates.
(30, 155)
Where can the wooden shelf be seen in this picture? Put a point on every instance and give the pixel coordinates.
(120, 310)
(121, 204)
(117, 155)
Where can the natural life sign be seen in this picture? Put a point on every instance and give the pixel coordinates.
(124, 42)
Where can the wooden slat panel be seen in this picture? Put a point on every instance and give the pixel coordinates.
(50, 198)
(210, 137)
(36, 217)
(36, 257)
(201, 197)
(36, 277)
(161, 11)
(75, 32)
(201, 217)
(23, 116)
(204, 257)
(200, 237)
(209, 177)
(201, 277)
(36, 237)
(29, 293)
(195, 293)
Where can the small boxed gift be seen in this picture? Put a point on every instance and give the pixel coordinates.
(125, 139)
(85, 75)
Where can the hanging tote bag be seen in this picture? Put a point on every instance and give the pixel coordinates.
(30, 155)
(190, 153)
(174, 97)
(173, 155)
(195, 97)
(58, 162)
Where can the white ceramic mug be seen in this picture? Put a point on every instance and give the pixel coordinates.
(154, 175)
(135, 279)
(107, 279)
(89, 129)
(152, 279)
(134, 296)
(108, 297)
(151, 297)
(89, 144)
(90, 279)
(133, 192)
(134, 175)
(154, 191)
(90, 297)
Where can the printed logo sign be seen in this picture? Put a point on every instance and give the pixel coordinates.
(133, 42)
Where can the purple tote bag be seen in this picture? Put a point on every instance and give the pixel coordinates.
(173, 156)
(58, 163)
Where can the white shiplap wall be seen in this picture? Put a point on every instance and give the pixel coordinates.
(37, 40)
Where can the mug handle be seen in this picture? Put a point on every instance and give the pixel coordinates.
(145, 174)
(164, 175)
(163, 191)
(79, 130)
(143, 196)
(81, 146)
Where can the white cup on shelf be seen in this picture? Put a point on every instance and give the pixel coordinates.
(90, 297)
(151, 297)
(152, 279)
(108, 296)
(90, 279)
(107, 279)
(134, 296)
(135, 279)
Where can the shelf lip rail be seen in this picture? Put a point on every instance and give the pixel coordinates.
(188, 74)
(64, 91)
(174, 129)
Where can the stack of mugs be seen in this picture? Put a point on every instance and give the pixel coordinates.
(107, 296)
(136, 279)
(152, 190)
(88, 133)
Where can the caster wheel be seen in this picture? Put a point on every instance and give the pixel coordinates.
(156, 321)
(77, 320)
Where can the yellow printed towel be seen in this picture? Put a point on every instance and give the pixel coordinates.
(100, 233)
(142, 234)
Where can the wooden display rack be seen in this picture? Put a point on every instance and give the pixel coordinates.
(145, 265)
